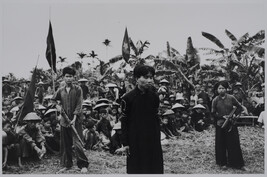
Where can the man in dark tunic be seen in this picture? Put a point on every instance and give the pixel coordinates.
(141, 125)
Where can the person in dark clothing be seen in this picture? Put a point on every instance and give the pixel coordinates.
(10, 144)
(227, 144)
(104, 128)
(122, 89)
(198, 117)
(141, 125)
(84, 88)
(70, 97)
(6, 88)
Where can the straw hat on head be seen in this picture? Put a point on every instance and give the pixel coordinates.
(40, 83)
(87, 105)
(41, 107)
(199, 106)
(164, 81)
(6, 80)
(172, 96)
(83, 80)
(49, 111)
(168, 112)
(179, 97)
(167, 103)
(177, 105)
(101, 105)
(32, 116)
(102, 100)
(48, 97)
(238, 84)
(17, 98)
(87, 101)
(111, 85)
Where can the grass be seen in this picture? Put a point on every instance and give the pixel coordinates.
(191, 153)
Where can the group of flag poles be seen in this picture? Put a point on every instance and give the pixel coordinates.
(28, 105)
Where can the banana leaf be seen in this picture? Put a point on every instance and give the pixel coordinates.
(230, 35)
(213, 39)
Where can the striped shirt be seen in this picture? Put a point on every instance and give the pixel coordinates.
(71, 102)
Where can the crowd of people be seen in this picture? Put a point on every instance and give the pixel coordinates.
(74, 118)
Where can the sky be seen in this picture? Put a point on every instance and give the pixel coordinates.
(82, 26)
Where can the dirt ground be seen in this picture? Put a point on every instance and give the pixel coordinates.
(191, 153)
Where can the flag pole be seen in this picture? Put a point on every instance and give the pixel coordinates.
(51, 56)
(52, 69)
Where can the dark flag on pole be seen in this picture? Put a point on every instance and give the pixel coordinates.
(28, 100)
(126, 47)
(51, 50)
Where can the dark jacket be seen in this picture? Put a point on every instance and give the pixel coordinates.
(141, 132)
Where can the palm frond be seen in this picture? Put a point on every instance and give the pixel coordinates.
(174, 52)
(213, 39)
(259, 36)
(196, 66)
(81, 55)
(212, 51)
(243, 38)
(133, 46)
(115, 59)
(143, 46)
(230, 35)
(166, 64)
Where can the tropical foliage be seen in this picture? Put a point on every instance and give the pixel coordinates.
(243, 61)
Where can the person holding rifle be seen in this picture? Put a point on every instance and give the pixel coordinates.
(227, 144)
(70, 97)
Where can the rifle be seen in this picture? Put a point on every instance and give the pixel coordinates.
(72, 126)
(230, 117)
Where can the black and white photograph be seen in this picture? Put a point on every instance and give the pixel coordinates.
(117, 87)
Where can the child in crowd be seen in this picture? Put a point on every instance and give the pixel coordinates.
(198, 117)
(165, 124)
(104, 128)
(91, 136)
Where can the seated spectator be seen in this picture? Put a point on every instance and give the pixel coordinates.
(116, 138)
(114, 114)
(207, 111)
(186, 124)
(104, 128)
(164, 124)
(10, 144)
(91, 136)
(198, 117)
(52, 143)
(33, 141)
(172, 122)
(178, 109)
